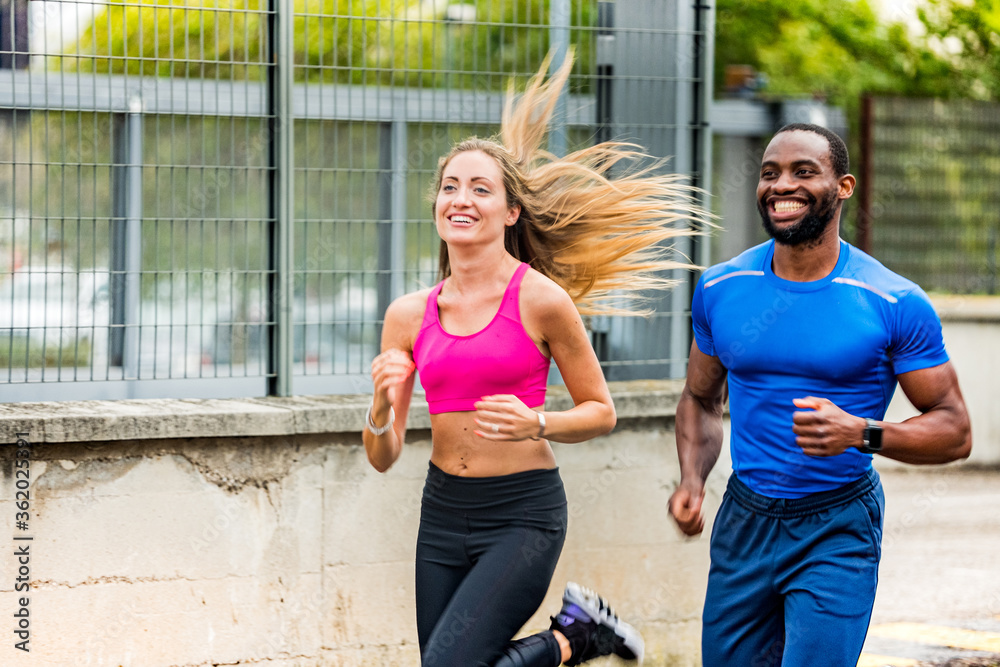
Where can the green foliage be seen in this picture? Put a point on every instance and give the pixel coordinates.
(201, 38)
(830, 49)
(970, 33)
(833, 49)
(513, 36)
(389, 42)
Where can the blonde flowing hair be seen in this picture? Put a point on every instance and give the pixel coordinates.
(600, 238)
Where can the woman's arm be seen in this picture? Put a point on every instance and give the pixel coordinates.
(392, 376)
(593, 411)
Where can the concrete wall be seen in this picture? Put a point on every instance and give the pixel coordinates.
(170, 533)
(972, 337)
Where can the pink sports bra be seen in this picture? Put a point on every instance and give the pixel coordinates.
(457, 371)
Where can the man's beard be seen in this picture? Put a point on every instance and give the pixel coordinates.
(808, 229)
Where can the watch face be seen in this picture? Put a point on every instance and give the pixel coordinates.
(873, 439)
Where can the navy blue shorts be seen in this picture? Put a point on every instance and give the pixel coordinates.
(793, 581)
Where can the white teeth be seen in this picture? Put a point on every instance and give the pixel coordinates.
(787, 206)
(461, 218)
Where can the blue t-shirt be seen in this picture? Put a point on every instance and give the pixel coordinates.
(845, 337)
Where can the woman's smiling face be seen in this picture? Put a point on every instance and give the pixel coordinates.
(471, 203)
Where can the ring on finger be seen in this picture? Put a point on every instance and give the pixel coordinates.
(496, 428)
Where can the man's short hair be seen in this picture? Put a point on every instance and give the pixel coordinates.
(838, 149)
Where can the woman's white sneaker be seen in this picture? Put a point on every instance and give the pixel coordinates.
(593, 629)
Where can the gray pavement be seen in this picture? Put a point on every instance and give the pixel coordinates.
(939, 588)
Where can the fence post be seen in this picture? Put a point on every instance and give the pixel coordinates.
(126, 240)
(559, 40)
(279, 109)
(392, 214)
(704, 54)
(685, 145)
(866, 176)
(399, 172)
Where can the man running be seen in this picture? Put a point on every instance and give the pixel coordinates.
(809, 336)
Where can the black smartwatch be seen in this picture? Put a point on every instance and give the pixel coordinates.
(872, 436)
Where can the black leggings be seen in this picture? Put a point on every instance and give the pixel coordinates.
(486, 551)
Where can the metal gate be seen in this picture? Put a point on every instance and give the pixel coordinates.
(929, 191)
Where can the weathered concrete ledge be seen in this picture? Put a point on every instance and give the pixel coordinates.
(250, 532)
(155, 419)
(973, 308)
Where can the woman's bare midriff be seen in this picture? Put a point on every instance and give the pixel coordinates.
(457, 449)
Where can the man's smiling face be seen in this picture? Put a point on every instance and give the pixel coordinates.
(798, 193)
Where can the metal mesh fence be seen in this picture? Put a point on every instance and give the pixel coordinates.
(133, 202)
(935, 204)
(221, 198)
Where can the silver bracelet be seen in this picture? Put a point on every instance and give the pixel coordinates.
(378, 430)
(541, 426)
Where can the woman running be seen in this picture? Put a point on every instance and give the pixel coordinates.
(529, 242)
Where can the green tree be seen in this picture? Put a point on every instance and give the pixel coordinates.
(969, 32)
(226, 38)
(831, 49)
(394, 42)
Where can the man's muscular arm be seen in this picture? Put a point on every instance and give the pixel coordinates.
(699, 437)
(941, 433)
